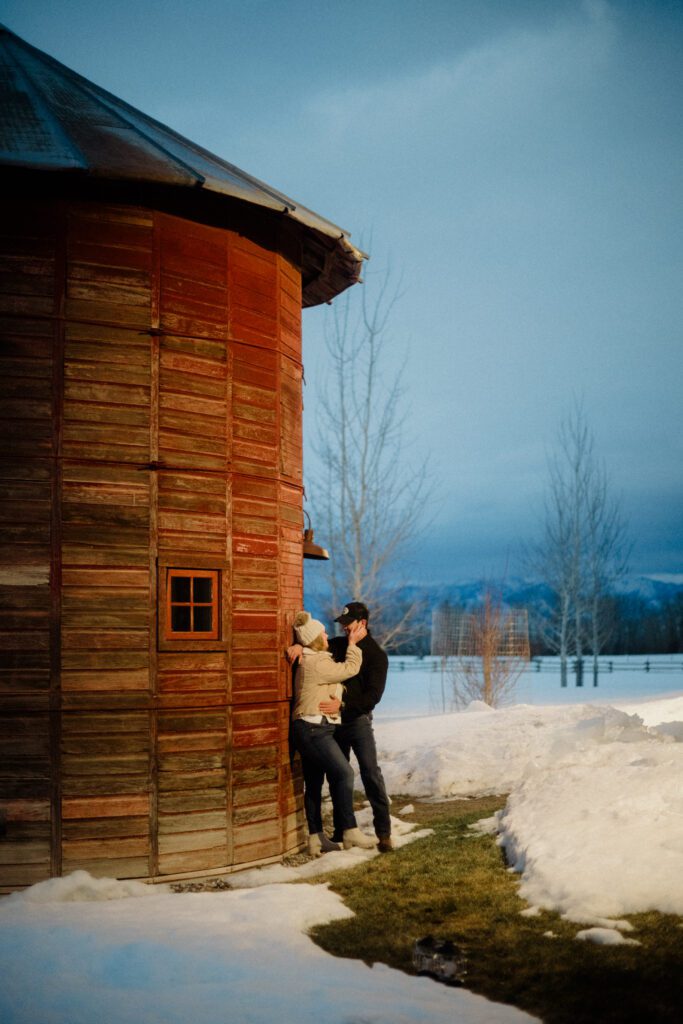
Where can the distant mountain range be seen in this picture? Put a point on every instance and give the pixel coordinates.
(654, 590)
(646, 620)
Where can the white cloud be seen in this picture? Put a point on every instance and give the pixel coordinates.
(513, 76)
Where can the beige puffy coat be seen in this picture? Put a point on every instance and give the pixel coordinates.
(318, 677)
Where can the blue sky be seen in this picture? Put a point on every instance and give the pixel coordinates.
(518, 165)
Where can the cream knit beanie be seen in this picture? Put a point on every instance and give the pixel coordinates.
(306, 628)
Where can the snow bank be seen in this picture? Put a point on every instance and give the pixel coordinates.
(80, 886)
(600, 832)
(209, 958)
(594, 820)
(478, 752)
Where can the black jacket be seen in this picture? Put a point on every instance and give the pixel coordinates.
(365, 690)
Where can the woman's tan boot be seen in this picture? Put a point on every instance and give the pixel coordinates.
(315, 848)
(354, 837)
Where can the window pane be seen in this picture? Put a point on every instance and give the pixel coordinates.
(180, 619)
(203, 587)
(180, 588)
(203, 620)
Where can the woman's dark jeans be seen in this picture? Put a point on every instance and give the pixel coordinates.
(321, 756)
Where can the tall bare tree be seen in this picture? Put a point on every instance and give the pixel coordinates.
(607, 553)
(583, 550)
(368, 499)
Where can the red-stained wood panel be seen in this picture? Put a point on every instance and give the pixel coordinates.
(197, 673)
(174, 407)
(255, 368)
(291, 410)
(26, 388)
(106, 394)
(28, 292)
(105, 615)
(193, 282)
(257, 830)
(109, 260)
(193, 826)
(253, 293)
(28, 244)
(193, 436)
(290, 309)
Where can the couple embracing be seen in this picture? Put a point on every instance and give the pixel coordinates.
(338, 682)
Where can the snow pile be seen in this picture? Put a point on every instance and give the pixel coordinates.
(599, 830)
(81, 886)
(239, 956)
(605, 937)
(594, 821)
(483, 751)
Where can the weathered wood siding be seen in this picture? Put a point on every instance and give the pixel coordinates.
(150, 376)
(28, 381)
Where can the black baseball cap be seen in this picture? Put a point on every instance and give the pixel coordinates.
(352, 612)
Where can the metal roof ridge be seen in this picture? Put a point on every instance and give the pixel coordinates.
(103, 96)
(86, 88)
(114, 103)
(38, 96)
(288, 203)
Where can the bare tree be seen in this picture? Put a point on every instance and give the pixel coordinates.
(559, 556)
(607, 553)
(583, 549)
(369, 501)
(553, 560)
(484, 651)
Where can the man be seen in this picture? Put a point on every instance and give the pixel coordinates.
(363, 692)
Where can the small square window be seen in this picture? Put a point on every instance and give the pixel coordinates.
(181, 589)
(181, 619)
(192, 603)
(203, 619)
(201, 590)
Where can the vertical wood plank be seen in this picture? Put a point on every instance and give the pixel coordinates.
(153, 780)
(56, 548)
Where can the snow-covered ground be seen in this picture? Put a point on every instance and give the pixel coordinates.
(80, 950)
(593, 826)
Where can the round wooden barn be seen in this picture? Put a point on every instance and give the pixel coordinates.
(151, 475)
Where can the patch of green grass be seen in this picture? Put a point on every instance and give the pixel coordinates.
(455, 884)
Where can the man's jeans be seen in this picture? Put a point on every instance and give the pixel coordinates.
(358, 736)
(320, 756)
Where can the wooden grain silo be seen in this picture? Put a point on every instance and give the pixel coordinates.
(150, 471)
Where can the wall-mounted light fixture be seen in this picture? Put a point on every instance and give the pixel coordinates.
(311, 549)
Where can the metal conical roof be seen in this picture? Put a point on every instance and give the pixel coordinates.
(54, 120)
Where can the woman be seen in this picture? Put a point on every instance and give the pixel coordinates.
(318, 679)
